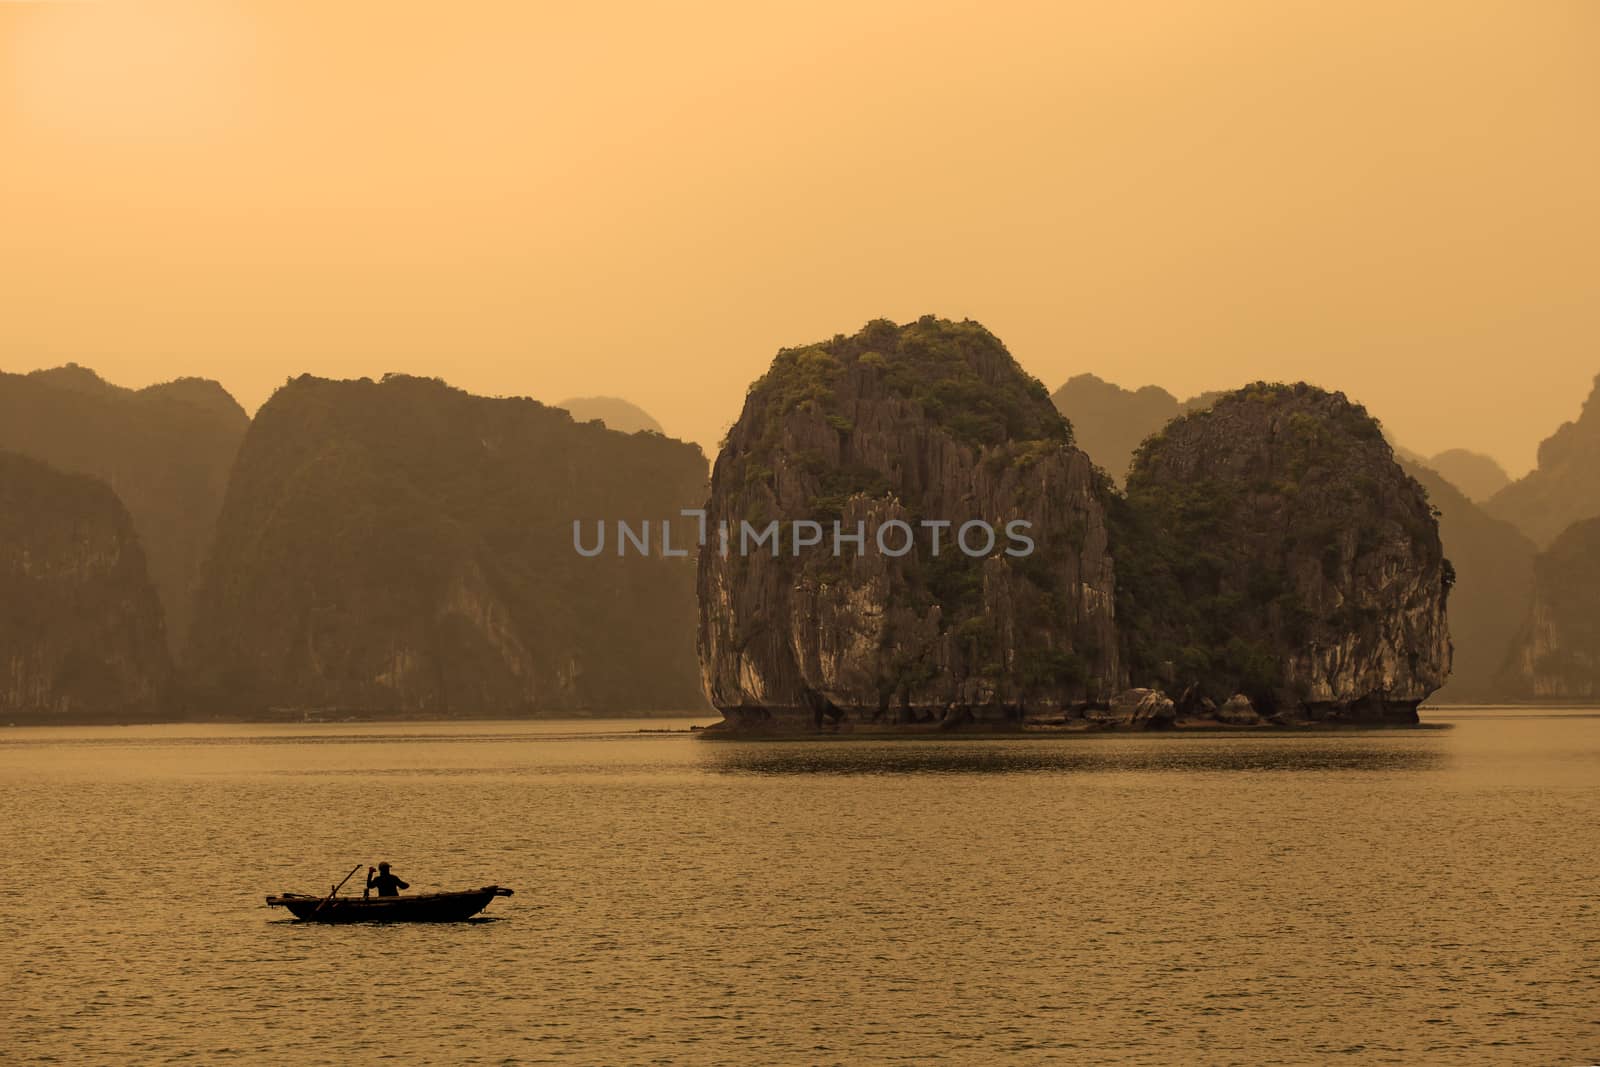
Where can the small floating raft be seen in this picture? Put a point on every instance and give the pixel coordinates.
(416, 908)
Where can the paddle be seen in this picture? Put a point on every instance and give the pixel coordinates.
(338, 887)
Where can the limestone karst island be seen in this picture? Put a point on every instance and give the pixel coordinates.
(1268, 561)
(942, 546)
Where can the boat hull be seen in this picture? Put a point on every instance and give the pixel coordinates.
(420, 908)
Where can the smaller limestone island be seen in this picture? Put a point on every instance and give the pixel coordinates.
(1269, 564)
(1271, 547)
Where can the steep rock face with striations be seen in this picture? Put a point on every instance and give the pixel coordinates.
(1557, 653)
(923, 423)
(1270, 545)
(1493, 563)
(402, 547)
(81, 633)
(1565, 487)
(165, 450)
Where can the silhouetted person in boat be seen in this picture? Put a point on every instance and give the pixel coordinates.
(387, 885)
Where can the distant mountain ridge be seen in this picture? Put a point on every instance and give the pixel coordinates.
(395, 547)
(1110, 422)
(1565, 487)
(1494, 563)
(618, 414)
(404, 547)
(1475, 474)
(165, 450)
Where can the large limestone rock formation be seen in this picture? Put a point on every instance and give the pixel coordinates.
(1557, 654)
(927, 422)
(165, 450)
(81, 633)
(1271, 546)
(402, 547)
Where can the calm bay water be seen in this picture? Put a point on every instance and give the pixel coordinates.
(1426, 896)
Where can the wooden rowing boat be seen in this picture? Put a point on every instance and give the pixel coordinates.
(416, 908)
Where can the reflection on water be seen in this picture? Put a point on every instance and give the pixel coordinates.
(476, 920)
(1411, 896)
(1076, 755)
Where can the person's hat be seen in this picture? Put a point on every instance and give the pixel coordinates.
(383, 866)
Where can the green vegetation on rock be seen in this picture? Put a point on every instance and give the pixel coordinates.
(1270, 545)
(932, 420)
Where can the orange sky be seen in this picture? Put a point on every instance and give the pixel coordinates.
(647, 200)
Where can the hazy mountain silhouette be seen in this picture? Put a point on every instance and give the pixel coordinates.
(1557, 652)
(1404, 454)
(81, 632)
(1109, 422)
(1565, 487)
(616, 413)
(405, 547)
(165, 450)
(1475, 474)
(1493, 561)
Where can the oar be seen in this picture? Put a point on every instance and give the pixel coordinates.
(338, 887)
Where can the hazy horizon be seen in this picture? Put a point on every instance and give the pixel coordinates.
(1400, 204)
(711, 447)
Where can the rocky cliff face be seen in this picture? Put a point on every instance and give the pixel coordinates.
(1557, 652)
(81, 633)
(1270, 545)
(932, 422)
(1565, 487)
(405, 547)
(1493, 564)
(165, 451)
